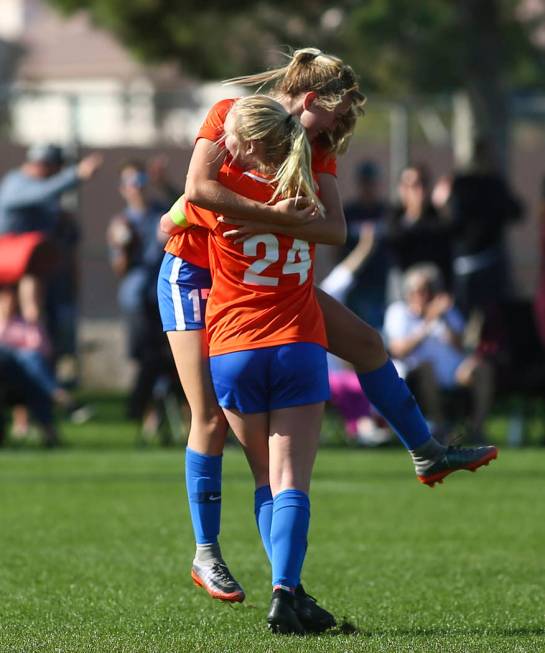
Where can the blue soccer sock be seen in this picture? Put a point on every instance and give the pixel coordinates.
(203, 483)
(392, 398)
(289, 530)
(263, 509)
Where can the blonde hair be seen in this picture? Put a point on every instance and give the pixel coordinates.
(310, 70)
(285, 150)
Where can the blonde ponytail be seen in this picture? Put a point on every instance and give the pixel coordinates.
(308, 70)
(285, 152)
(291, 78)
(304, 56)
(294, 176)
(258, 79)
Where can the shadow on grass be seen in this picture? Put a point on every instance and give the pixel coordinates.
(346, 628)
(453, 632)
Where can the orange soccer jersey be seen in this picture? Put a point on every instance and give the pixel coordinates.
(262, 293)
(191, 244)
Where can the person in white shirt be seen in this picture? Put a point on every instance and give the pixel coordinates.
(424, 332)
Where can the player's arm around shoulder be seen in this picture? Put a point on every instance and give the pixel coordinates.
(328, 228)
(204, 190)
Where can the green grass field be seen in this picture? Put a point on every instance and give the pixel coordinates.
(96, 547)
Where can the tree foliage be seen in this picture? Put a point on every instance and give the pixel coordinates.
(207, 38)
(435, 46)
(486, 48)
(397, 46)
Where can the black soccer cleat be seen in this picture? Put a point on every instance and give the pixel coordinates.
(313, 618)
(282, 617)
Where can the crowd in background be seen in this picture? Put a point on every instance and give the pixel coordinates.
(39, 261)
(433, 275)
(136, 253)
(39, 238)
(429, 270)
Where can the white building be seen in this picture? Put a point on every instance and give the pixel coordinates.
(75, 82)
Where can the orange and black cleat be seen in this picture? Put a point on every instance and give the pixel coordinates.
(218, 582)
(457, 458)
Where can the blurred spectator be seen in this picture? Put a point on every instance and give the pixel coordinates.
(31, 348)
(29, 213)
(19, 387)
(415, 232)
(164, 189)
(62, 292)
(479, 207)
(136, 256)
(367, 295)
(441, 192)
(539, 303)
(346, 393)
(424, 334)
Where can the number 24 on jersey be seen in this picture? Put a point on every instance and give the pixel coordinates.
(297, 261)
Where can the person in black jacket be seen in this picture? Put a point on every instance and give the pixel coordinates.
(415, 232)
(480, 206)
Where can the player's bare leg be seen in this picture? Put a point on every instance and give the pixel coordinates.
(293, 443)
(299, 610)
(252, 432)
(208, 429)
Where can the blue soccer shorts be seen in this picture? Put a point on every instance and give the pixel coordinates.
(182, 290)
(261, 380)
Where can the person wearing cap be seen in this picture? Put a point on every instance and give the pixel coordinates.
(30, 195)
(29, 209)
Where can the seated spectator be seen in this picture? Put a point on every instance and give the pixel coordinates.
(346, 393)
(424, 333)
(30, 347)
(18, 387)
